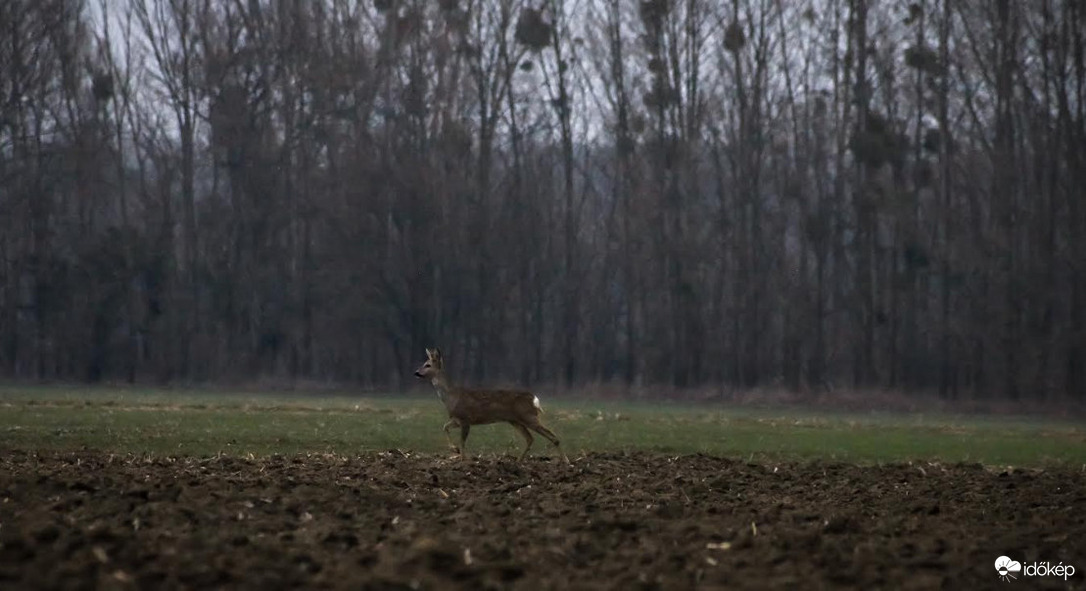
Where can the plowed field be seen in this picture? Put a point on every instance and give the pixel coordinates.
(621, 521)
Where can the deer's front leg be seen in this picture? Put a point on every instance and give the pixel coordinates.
(464, 429)
(448, 436)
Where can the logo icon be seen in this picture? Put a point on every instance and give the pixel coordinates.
(1007, 567)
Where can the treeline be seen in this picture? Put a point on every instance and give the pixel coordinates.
(684, 193)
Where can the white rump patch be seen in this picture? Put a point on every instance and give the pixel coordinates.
(535, 403)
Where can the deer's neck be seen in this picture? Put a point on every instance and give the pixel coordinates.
(442, 386)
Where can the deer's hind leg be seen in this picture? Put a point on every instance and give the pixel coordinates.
(538, 427)
(527, 435)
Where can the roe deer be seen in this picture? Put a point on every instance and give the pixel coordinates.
(469, 407)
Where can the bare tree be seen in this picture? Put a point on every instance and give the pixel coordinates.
(678, 193)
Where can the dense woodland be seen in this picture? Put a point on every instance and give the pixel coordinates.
(659, 193)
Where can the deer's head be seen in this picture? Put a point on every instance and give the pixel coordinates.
(432, 366)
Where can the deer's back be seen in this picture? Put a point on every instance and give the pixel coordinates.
(480, 407)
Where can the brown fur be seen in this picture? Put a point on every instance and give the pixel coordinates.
(468, 406)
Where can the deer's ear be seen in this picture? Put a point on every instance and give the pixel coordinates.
(437, 354)
(429, 353)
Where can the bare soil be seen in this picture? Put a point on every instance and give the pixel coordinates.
(622, 521)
